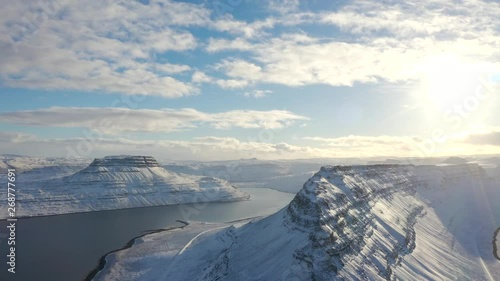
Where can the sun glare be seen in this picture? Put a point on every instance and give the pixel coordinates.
(447, 81)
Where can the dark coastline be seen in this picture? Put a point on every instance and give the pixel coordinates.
(495, 250)
(130, 243)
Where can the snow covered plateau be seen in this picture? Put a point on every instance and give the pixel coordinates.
(366, 222)
(50, 187)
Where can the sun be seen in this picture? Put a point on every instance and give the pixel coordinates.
(446, 81)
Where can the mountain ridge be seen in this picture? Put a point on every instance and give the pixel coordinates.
(367, 222)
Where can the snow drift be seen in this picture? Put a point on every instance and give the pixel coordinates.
(117, 182)
(376, 222)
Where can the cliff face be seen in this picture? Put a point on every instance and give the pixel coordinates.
(376, 222)
(125, 161)
(364, 220)
(335, 209)
(118, 182)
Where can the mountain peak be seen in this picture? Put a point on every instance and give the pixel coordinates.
(124, 181)
(339, 187)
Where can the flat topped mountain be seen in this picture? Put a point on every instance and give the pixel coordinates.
(125, 161)
(118, 182)
(137, 172)
(455, 160)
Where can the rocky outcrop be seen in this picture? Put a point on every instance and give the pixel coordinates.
(125, 161)
(334, 208)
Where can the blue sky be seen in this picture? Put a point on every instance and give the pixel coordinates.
(212, 80)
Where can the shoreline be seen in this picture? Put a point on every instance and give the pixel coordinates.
(239, 199)
(495, 249)
(128, 208)
(130, 243)
(102, 260)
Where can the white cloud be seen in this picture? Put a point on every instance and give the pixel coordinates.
(283, 6)
(201, 148)
(257, 93)
(289, 62)
(169, 40)
(483, 138)
(217, 45)
(170, 68)
(241, 69)
(231, 83)
(376, 145)
(381, 42)
(201, 77)
(15, 137)
(444, 20)
(466, 143)
(101, 46)
(253, 29)
(225, 148)
(119, 120)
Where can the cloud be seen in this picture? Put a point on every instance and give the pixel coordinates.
(487, 138)
(15, 137)
(367, 146)
(226, 148)
(283, 6)
(231, 83)
(107, 46)
(242, 28)
(287, 61)
(441, 19)
(241, 69)
(200, 77)
(171, 68)
(119, 120)
(376, 145)
(201, 148)
(271, 119)
(295, 64)
(385, 42)
(466, 143)
(257, 93)
(217, 45)
(112, 46)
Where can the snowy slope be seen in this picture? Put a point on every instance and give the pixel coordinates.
(491, 165)
(118, 182)
(378, 222)
(27, 163)
(37, 169)
(290, 175)
(282, 175)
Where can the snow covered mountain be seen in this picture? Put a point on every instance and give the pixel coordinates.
(375, 222)
(24, 163)
(282, 175)
(290, 175)
(117, 182)
(30, 168)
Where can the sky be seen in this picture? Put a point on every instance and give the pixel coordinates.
(230, 79)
